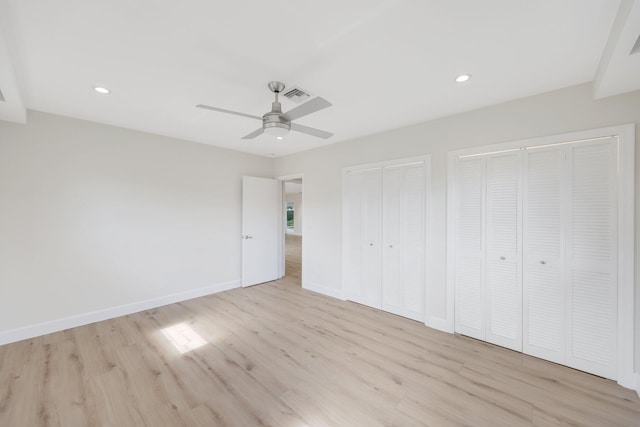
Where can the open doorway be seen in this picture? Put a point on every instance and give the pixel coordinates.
(293, 215)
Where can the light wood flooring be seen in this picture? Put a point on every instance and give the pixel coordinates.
(278, 355)
(293, 257)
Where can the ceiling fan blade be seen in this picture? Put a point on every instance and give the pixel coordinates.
(254, 134)
(311, 131)
(222, 110)
(316, 104)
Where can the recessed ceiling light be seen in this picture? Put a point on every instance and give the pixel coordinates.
(280, 137)
(463, 78)
(101, 89)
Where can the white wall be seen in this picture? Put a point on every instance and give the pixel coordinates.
(296, 198)
(562, 111)
(94, 217)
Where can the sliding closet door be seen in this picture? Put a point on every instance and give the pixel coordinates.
(592, 258)
(363, 221)
(403, 248)
(469, 247)
(504, 272)
(544, 220)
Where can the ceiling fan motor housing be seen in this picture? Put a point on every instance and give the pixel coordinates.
(274, 123)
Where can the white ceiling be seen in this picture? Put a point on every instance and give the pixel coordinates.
(382, 63)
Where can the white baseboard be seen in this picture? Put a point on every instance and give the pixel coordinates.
(638, 384)
(324, 290)
(56, 325)
(440, 324)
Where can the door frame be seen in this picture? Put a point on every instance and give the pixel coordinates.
(626, 234)
(283, 225)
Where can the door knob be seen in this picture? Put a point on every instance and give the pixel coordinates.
(542, 261)
(247, 237)
(502, 258)
(391, 246)
(370, 244)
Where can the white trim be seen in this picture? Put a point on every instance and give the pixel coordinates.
(638, 384)
(449, 319)
(61, 324)
(324, 290)
(626, 300)
(621, 130)
(385, 163)
(428, 230)
(290, 177)
(626, 254)
(344, 241)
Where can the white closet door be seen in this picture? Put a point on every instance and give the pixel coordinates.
(392, 247)
(592, 258)
(544, 253)
(504, 272)
(352, 270)
(404, 246)
(414, 244)
(469, 247)
(362, 271)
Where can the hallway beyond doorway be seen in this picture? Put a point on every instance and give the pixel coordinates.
(293, 258)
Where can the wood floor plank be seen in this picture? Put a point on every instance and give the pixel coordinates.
(278, 355)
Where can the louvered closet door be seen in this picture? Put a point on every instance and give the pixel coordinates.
(592, 258)
(504, 272)
(362, 271)
(469, 247)
(403, 248)
(544, 216)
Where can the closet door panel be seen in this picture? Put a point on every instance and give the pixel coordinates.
(403, 283)
(362, 267)
(504, 273)
(352, 275)
(592, 259)
(413, 240)
(371, 223)
(543, 254)
(392, 274)
(469, 244)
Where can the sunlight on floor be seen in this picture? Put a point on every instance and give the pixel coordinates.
(183, 338)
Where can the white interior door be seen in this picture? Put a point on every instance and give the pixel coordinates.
(470, 233)
(392, 244)
(544, 222)
(504, 266)
(403, 243)
(414, 245)
(352, 270)
(592, 258)
(371, 233)
(260, 225)
(362, 272)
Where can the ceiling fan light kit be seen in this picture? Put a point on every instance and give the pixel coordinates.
(277, 123)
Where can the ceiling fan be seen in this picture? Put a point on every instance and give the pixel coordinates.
(277, 123)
